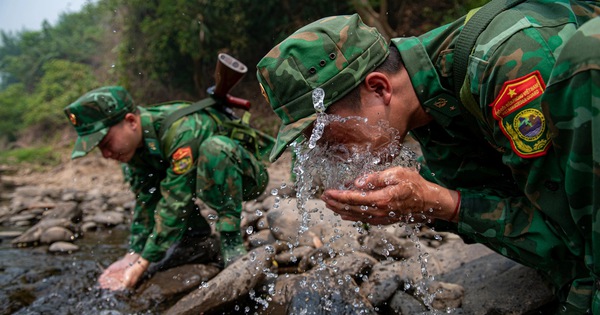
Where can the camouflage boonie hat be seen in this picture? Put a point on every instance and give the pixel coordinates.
(94, 113)
(333, 53)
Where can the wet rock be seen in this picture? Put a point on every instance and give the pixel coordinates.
(384, 244)
(63, 247)
(497, 285)
(109, 218)
(446, 295)
(357, 264)
(406, 304)
(260, 238)
(294, 255)
(234, 281)
(89, 226)
(323, 291)
(169, 284)
(64, 210)
(23, 217)
(9, 234)
(285, 223)
(33, 234)
(56, 234)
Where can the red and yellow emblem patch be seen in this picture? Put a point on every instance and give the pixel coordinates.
(524, 126)
(73, 119)
(182, 160)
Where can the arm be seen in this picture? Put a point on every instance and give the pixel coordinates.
(125, 272)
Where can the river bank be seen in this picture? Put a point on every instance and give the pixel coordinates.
(399, 271)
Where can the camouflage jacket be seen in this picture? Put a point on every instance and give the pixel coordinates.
(163, 184)
(494, 144)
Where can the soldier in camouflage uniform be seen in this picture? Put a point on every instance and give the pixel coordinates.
(510, 162)
(167, 172)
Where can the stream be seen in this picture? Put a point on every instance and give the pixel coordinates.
(33, 281)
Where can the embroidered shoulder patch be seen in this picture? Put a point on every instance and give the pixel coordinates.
(182, 160)
(524, 126)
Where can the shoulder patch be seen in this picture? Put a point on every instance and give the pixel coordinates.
(524, 126)
(182, 160)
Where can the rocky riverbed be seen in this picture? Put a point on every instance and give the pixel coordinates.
(75, 218)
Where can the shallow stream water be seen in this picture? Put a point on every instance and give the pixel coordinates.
(33, 281)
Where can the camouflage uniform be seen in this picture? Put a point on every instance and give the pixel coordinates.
(192, 159)
(523, 194)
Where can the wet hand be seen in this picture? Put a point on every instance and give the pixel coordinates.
(134, 273)
(122, 273)
(390, 196)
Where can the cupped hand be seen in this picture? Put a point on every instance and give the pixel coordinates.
(390, 196)
(124, 273)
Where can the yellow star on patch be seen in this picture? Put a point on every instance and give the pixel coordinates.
(512, 93)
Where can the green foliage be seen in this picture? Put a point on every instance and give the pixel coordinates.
(166, 49)
(44, 155)
(63, 82)
(13, 100)
(169, 48)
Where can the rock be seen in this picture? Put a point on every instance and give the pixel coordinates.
(110, 218)
(406, 304)
(32, 236)
(384, 244)
(165, 285)
(63, 247)
(56, 234)
(22, 217)
(89, 226)
(64, 210)
(323, 291)
(446, 295)
(260, 238)
(233, 282)
(9, 234)
(497, 285)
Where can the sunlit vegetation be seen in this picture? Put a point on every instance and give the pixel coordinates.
(163, 50)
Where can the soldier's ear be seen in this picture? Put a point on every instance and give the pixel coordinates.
(379, 84)
(131, 120)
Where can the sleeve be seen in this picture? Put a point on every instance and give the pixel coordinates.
(572, 102)
(177, 190)
(144, 187)
(527, 226)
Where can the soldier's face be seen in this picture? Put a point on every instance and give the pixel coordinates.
(352, 131)
(120, 143)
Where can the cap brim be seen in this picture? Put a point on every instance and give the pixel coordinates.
(288, 133)
(87, 143)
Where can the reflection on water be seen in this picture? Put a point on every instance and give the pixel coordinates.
(33, 281)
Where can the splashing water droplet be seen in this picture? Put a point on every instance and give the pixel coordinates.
(318, 96)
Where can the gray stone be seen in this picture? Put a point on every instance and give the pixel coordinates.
(63, 247)
(56, 234)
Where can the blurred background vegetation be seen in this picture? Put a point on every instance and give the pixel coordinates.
(162, 50)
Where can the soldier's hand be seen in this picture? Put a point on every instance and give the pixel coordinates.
(392, 195)
(114, 277)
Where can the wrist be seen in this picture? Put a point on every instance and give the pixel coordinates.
(454, 216)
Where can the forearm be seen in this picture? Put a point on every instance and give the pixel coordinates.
(171, 216)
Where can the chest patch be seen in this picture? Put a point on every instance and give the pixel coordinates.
(523, 124)
(182, 160)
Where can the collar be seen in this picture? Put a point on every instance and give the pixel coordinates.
(149, 132)
(435, 99)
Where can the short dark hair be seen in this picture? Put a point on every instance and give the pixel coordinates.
(392, 64)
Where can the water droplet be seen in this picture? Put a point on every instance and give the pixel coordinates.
(318, 96)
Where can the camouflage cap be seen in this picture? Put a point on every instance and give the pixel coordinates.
(334, 53)
(94, 113)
